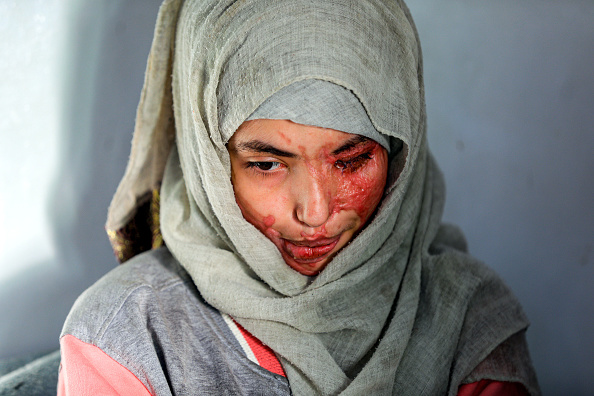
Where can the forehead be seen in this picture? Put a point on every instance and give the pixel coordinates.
(292, 137)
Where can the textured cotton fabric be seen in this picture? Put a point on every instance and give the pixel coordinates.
(154, 334)
(322, 104)
(400, 310)
(144, 329)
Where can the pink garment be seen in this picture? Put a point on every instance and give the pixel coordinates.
(265, 356)
(492, 388)
(87, 370)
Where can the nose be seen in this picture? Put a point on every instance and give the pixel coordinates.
(313, 202)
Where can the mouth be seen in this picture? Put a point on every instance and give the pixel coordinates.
(308, 252)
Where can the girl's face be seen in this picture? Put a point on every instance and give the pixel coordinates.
(308, 189)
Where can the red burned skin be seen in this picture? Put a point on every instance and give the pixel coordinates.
(285, 138)
(309, 190)
(361, 190)
(268, 221)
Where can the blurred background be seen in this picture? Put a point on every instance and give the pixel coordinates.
(510, 102)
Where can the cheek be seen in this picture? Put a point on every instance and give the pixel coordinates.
(268, 221)
(362, 191)
(259, 210)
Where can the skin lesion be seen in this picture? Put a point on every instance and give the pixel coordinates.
(307, 189)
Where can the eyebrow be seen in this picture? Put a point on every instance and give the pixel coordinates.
(350, 144)
(261, 147)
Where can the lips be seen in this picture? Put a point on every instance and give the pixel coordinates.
(309, 251)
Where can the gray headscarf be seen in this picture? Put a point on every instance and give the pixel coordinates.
(399, 309)
(322, 104)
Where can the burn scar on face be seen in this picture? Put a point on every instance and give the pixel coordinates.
(309, 190)
(269, 221)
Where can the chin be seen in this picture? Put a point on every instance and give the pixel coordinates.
(308, 269)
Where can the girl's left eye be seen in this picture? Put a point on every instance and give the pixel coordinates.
(264, 165)
(353, 164)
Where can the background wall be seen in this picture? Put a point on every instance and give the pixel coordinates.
(510, 98)
(72, 71)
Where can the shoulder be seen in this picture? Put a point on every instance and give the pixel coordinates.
(456, 283)
(456, 275)
(148, 316)
(484, 317)
(139, 283)
(127, 316)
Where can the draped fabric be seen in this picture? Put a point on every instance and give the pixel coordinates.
(322, 104)
(400, 301)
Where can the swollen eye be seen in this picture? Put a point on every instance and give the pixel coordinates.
(353, 163)
(340, 164)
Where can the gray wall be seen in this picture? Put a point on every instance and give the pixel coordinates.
(510, 92)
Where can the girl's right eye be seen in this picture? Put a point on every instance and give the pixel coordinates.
(265, 165)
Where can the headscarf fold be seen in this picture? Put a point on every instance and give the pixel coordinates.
(357, 326)
(322, 104)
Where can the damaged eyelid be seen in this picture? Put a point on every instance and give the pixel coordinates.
(353, 163)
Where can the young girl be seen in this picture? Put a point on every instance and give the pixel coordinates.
(300, 212)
